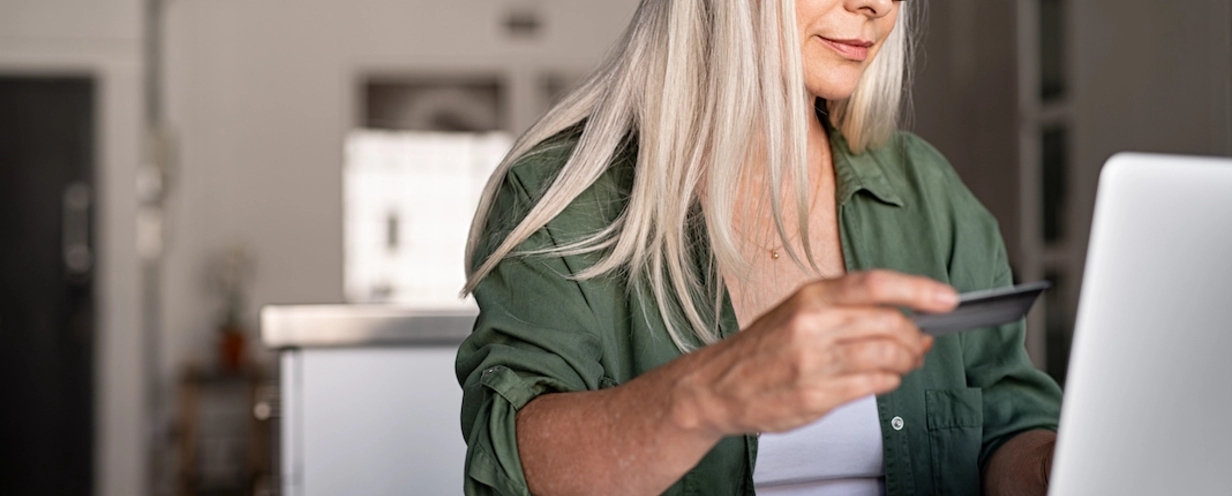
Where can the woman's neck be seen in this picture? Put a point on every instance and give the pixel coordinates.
(819, 144)
(770, 278)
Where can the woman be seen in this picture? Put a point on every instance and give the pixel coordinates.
(734, 167)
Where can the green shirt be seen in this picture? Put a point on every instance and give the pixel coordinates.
(901, 207)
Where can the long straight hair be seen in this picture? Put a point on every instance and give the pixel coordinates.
(699, 83)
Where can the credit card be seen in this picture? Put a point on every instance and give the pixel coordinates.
(979, 309)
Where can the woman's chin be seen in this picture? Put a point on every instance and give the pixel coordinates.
(831, 93)
(836, 84)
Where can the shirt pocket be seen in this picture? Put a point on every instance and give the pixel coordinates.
(955, 433)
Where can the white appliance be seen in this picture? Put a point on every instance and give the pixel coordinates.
(369, 402)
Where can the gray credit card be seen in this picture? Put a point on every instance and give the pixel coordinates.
(980, 309)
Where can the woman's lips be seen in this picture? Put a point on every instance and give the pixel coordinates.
(856, 50)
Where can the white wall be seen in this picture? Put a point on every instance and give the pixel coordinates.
(65, 22)
(101, 38)
(260, 97)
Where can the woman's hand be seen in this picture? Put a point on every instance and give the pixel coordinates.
(829, 343)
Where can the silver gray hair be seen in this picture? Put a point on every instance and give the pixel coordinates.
(700, 83)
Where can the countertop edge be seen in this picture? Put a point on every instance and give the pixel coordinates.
(340, 326)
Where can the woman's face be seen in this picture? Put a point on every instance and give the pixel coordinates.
(840, 38)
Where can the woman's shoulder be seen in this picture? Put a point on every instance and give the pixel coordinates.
(912, 159)
(937, 197)
(527, 181)
(920, 171)
(537, 169)
(531, 173)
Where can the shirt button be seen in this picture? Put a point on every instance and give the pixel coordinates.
(897, 423)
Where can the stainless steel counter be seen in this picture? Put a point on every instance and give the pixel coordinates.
(335, 326)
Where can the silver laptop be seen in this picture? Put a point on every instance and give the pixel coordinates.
(1148, 400)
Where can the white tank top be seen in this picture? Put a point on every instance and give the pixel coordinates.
(838, 455)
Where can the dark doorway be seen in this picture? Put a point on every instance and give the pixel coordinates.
(46, 285)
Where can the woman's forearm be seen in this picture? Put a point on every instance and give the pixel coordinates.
(629, 439)
(1021, 466)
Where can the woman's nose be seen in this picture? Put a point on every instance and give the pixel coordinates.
(872, 8)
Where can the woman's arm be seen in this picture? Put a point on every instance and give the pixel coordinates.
(622, 440)
(830, 343)
(1021, 466)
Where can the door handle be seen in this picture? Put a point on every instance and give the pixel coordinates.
(75, 236)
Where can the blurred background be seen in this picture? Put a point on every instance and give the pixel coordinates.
(169, 167)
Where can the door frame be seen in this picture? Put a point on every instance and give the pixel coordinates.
(120, 418)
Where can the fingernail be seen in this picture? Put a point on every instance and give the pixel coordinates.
(946, 296)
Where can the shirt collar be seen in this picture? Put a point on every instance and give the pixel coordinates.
(855, 173)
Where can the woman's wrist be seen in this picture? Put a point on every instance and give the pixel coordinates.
(691, 410)
(1021, 466)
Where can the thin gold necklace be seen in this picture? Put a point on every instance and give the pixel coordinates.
(774, 252)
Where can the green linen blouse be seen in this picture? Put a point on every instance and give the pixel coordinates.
(901, 207)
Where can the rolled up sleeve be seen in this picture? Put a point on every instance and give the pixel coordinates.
(535, 334)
